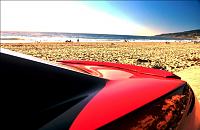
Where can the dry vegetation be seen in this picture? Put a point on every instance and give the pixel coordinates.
(171, 56)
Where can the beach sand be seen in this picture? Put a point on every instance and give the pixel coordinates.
(173, 56)
(192, 76)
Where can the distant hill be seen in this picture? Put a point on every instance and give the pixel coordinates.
(193, 34)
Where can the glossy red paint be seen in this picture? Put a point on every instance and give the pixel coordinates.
(192, 122)
(120, 97)
(114, 71)
(110, 73)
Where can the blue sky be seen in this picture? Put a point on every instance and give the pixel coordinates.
(105, 17)
(166, 16)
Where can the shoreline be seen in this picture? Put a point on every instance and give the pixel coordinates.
(29, 40)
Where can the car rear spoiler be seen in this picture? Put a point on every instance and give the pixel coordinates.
(139, 69)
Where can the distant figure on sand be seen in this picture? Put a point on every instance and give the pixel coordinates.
(125, 40)
(68, 41)
(77, 40)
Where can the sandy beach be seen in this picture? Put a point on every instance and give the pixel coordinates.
(171, 56)
(174, 56)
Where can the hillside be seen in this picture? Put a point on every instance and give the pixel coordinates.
(193, 34)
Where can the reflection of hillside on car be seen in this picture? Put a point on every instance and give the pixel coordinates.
(85, 95)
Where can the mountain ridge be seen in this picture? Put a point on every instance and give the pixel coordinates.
(192, 34)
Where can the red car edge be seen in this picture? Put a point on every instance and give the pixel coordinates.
(88, 95)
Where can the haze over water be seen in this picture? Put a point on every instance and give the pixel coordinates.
(17, 36)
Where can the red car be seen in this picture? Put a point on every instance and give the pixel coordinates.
(85, 95)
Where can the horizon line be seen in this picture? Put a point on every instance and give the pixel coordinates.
(100, 33)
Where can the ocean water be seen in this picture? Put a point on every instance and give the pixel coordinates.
(20, 37)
